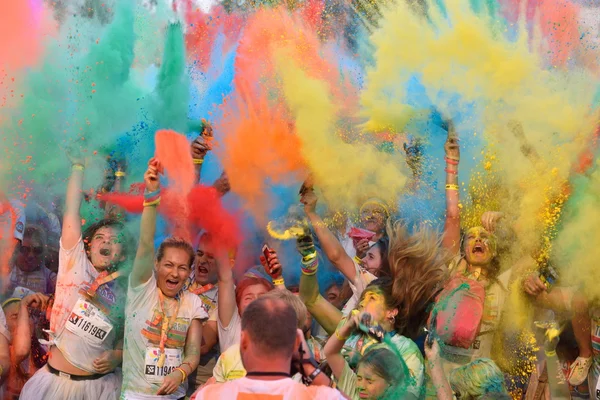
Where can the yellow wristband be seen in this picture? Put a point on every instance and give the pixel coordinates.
(77, 167)
(340, 338)
(182, 373)
(120, 174)
(152, 203)
(198, 161)
(278, 282)
(452, 187)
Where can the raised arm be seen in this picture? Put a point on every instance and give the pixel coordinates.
(330, 244)
(199, 148)
(325, 313)
(451, 240)
(143, 264)
(335, 344)
(436, 371)
(226, 305)
(71, 231)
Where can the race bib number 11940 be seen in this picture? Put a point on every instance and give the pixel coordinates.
(88, 322)
(156, 374)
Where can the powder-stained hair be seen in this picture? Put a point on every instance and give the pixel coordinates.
(480, 377)
(294, 301)
(176, 243)
(271, 326)
(419, 270)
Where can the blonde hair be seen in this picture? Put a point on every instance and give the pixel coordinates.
(419, 269)
(477, 378)
(294, 301)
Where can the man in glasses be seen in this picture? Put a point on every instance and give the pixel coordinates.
(28, 269)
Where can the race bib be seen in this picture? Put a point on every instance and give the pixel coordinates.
(156, 374)
(88, 322)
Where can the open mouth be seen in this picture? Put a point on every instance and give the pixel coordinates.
(202, 269)
(171, 284)
(478, 249)
(105, 252)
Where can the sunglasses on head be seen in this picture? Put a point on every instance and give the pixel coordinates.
(26, 250)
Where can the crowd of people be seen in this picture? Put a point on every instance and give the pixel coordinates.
(419, 314)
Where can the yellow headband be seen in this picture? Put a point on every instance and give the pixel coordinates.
(9, 301)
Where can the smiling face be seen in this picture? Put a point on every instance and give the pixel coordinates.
(106, 248)
(370, 385)
(479, 246)
(373, 217)
(205, 266)
(372, 260)
(173, 270)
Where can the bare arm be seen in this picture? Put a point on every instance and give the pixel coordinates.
(226, 305)
(71, 231)
(434, 364)
(144, 258)
(209, 336)
(333, 347)
(451, 240)
(330, 244)
(193, 344)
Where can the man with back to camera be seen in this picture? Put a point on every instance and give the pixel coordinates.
(269, 342)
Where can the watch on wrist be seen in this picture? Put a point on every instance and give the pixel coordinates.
(308, 380)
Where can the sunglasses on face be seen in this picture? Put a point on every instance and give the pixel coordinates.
(26, 250)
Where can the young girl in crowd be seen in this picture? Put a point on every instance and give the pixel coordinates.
(163, 331)
(370, 261)
(380, 372)
(86, 320)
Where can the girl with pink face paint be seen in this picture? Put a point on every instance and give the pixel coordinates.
(474, 259)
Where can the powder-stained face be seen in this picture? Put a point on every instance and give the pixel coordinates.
(250, 294)
(205, 265)
(106, 248)
(479, 246)
(370, 385)
(373, 217)
(373, 303)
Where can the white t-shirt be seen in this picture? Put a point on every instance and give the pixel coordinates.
(362, 279)
(230, 335)
(82, 330)
(141, 376)
(281, 389)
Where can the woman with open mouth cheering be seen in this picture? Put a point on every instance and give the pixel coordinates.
(86, 325)
(163, 330)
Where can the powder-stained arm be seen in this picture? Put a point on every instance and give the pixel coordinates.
(71, 231)
(330, 244)
(451, 239)
(144, 258)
